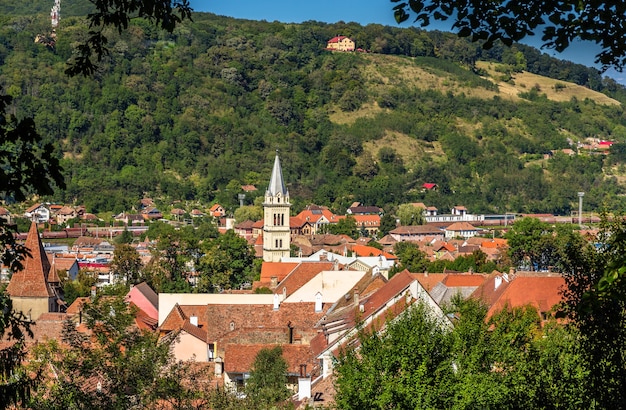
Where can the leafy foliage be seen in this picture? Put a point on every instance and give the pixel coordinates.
(506, 362)
(561, 21)
(114, 366)
(267, 384)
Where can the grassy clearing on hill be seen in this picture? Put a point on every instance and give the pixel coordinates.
(554, 90)
(409, 149)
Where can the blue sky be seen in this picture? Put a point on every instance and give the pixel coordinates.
(360, 11)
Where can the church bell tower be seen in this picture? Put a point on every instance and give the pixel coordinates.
(276, 230)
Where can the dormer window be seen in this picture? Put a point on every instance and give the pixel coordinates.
(232, 326)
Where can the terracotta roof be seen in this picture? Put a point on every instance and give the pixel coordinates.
(66, 210)
(77, 305)
(457, 280)
(32, 280)
(278, 269)
(366, 220)
(239, 358)
(461, 226)
(304, 272)
(540, 291)
(429, 280)
(4, 211)
(363, 250)
(416, 229)
(337, 39)
(34, 207)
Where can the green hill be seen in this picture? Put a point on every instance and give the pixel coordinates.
(196, 114)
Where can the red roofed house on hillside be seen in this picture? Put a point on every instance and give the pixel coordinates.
(29, 288)
(340, 43)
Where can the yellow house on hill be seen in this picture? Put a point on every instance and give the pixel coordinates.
(340, 43)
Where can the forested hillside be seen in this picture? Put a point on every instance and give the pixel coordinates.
(196, 114)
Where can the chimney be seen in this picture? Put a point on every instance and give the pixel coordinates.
(193, 320)
(361, 308)
(273, 281)
(497, 282)
(356, 297)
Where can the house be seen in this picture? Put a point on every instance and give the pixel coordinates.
(416, 233)
(369, 223)
(371, 310)
(245, 229)
(444, 287)
(358, 209)
(460, 229)
(147, 301)
(151, 213)
(66, 264)
(38, 213)
(33, 289)
(429, 186)
(217, 211)
(130, 219)
(5, 214)
(248, 188)
(65, 214)
(340, 43)
(459, 210)
(178, 213)
(317, 217)
(542, 290)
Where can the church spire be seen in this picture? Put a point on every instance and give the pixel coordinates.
(277, 184)
(32, 280)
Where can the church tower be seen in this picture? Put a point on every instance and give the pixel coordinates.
(276, 230)
(30, 289)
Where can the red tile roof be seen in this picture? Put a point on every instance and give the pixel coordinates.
(523, 288)
(32, 280)
(278, 269)
(363, 250)
(304, 272)
(239, 358)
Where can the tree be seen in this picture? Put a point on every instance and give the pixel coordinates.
(248, 213)
(227, 263)
(117, 14)
(562, 22)
(398, 368)
(410, 257)
(387, 224)
(114, 366)
(345, 226)
(127, 264)
(409, 214)
(595, 300)
(267, 384)
(531, 244)
(508, 361)
(125, 237)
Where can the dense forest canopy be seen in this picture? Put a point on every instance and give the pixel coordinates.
(195, 114)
